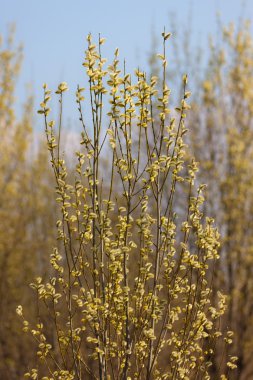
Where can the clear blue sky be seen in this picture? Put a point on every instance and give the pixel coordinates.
(53, 31)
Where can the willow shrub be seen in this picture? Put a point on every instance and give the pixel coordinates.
(130, 292)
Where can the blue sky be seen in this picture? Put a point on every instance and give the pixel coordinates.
(53, 32)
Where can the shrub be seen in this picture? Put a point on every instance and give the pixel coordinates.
(131, 289)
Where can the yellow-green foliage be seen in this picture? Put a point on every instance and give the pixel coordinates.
(223, 134)
(20, 248)
(130, 296)
(13, 203)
